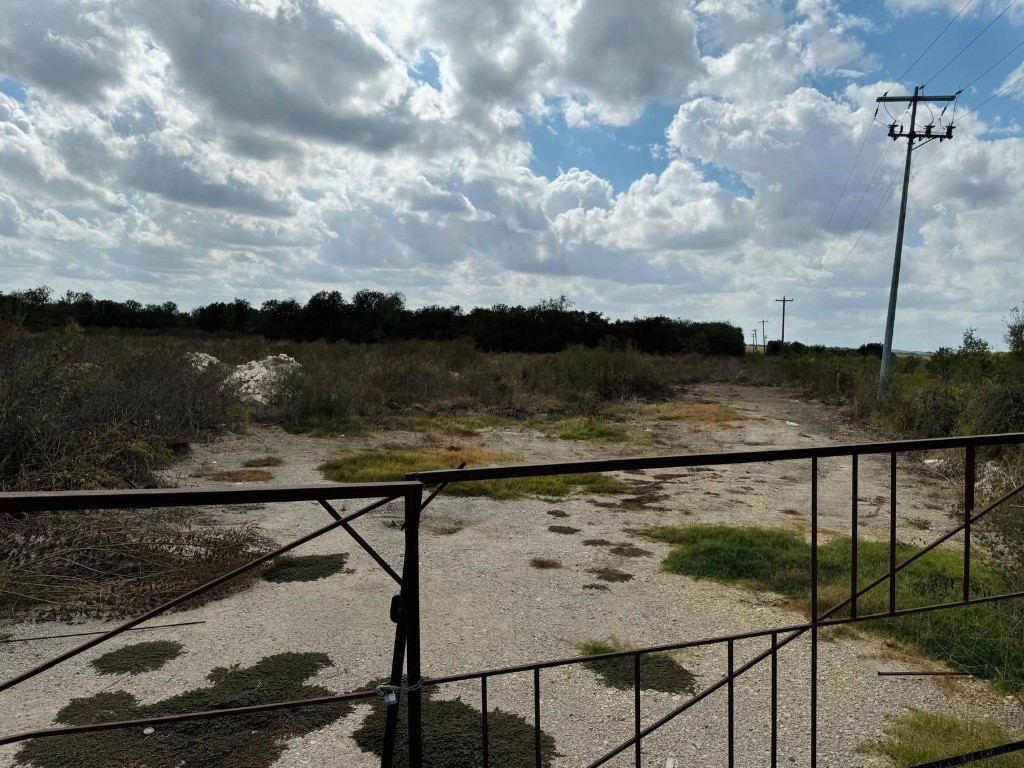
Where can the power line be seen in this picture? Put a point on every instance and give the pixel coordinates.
(933, 42)
(1000, 92)
(973, 41)
(1004, 58)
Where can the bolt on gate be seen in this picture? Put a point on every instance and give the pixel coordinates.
(405, 608)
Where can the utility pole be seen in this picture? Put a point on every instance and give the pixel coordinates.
(764, 338)
(912, 135)
(784, 301)
(755, 339)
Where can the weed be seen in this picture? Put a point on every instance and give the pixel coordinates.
(658, 671)
(699, 413)
(442, 529)
(564, 529)
(263, 461)
(557, 513)
(597, 587)
(924, 737)
(248, 741)
(305, 567)
(981, 639)
(137, 658)
(607, 573)
(451, 736)
(596, 542)
(545, 563)
(628, 550)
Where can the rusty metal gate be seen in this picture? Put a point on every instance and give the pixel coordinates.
(405, 662)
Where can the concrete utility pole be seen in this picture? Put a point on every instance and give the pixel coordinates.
(922, 138)
(784, 301)
(764, 338)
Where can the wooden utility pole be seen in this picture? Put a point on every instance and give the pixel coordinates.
(784, 301)
(755, 339)
(764, 338)
(911, 135)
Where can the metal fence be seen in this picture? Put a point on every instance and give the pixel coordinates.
(405, 610)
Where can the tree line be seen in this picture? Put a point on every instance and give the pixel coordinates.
(373, 316)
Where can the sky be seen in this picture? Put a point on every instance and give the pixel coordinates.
(699, 159)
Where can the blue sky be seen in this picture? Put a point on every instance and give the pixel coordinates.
(680, 158)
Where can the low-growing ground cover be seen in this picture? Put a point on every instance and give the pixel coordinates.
(982, 639)
(917, 738)
(658, 671)
(137, 658)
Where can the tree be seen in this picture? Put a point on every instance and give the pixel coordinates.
(1015, 333)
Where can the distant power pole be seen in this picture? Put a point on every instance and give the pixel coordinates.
(764, 338)
(784, 301)
(755, 339)
(912, 135)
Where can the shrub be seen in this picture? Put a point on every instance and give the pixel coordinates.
(658, 671)
(305, 567)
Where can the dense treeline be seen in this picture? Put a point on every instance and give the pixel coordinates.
(372, 316)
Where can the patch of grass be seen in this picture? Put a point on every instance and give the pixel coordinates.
(557, 513)
(981, 639)
(584, 428)
(545, 563)
(923, 737)
(451, 736)
(240, 476)
(595, 586)
(137, 658)
(658, 671)
(305, 567)
(377, 466)
(607, 573)
(263, 461)
(564, 529)
(596, 542)
(628, 550)
(248, 741)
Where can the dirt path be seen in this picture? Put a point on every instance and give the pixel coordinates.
(484, 606)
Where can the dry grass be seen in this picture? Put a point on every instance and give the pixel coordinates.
(694, 413)
(240, 476)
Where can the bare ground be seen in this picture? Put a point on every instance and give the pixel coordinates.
(483, 605)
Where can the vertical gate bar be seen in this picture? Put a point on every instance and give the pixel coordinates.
(387, 754)
(732, 705)
(814, 612)
(536, 716)
(969, 476)
(636, 709)
(775, 699)
(892, 532)
(483, 710)
(853, 537)
(411, 615)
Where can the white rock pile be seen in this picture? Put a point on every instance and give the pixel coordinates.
(256, 380)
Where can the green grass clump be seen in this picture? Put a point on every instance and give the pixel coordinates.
(452, 736)
(545, 563)
(558, 513)
(137, 658)
(377, 466)
(658, 671)
(596, 542)
(248, 741)
(305, 567)
(923, 737)
(981, 639)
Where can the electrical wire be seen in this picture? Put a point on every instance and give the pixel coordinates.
(933, 42)
(973, 41)
(1004, 58)
(1000, 92)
